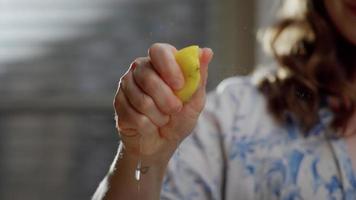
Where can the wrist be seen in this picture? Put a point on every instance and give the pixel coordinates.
(134, 155)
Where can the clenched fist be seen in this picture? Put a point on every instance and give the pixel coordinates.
(150, 118)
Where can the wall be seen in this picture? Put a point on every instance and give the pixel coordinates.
(232, 35)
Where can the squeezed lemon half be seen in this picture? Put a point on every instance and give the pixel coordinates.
(189, 62)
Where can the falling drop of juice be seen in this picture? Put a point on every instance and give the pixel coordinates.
(138, 167)
(138, 171)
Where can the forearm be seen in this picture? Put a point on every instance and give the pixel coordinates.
(120, 182)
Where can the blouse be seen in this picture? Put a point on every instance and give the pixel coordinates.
(238, 151)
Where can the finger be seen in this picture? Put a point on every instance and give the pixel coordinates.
(164, 62)
(143, 103)
(151, 83)
(129, 121)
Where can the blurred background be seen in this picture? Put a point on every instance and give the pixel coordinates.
(60, 62)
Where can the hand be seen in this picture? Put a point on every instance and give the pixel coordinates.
(151, 120)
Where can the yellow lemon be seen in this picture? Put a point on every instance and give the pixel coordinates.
(188, 60)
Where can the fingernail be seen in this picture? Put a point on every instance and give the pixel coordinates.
(208, 49)
(133, 65)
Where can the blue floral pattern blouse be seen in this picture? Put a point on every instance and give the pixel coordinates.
(237, 151)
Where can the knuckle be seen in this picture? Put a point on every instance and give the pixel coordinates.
(138, 76)
(117, 102)
(173, 105)
(148, 84)
(122, 82)
(142, 122)
(154, 47)
(140, 60)
(174, 108)
(160, 47)
(118, 85)
(141, 72)
(138, 64)
(145, 102)
(118, 99)
(120, 123)
(164, 120)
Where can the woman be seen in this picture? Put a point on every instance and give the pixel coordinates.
(286, 133)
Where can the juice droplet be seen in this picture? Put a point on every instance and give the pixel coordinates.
(138, 167)
(138, 171)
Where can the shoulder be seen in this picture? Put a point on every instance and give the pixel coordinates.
(241, 89)
(240, 109)
(232, 93)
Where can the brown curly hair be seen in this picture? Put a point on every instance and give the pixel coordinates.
(317, 62)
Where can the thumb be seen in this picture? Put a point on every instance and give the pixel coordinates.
(206, 55)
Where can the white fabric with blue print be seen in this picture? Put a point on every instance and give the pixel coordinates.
(238, 151)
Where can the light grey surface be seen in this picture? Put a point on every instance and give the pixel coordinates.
(28, 28)
(231, 31)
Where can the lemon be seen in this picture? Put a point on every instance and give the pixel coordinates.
(189, 62)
